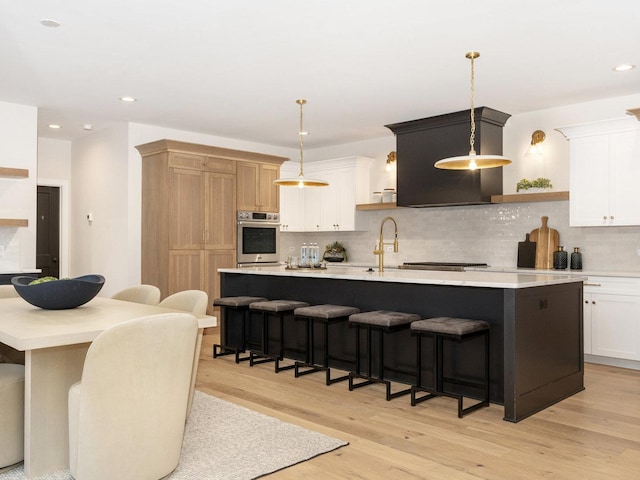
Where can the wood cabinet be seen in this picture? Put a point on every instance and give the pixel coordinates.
(330, 208)
(612, 317)
(189, 212)
(256, 191)
(604, 168)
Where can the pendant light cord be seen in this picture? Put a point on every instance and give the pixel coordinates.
(300, 135)
(472, 137)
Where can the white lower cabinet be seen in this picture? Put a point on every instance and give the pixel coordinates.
(612, 317)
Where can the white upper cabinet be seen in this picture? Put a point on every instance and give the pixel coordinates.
(604, 168)
(291, 201)
(331, 208)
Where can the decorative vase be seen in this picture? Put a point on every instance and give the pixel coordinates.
(576, 259)
(560, 259)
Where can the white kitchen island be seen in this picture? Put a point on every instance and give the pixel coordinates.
(536, 320)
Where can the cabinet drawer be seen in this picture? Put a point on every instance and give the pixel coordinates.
(182, 160)
(612, 285)
(219, 165)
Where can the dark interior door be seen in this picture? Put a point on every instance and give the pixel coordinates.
(48, 231)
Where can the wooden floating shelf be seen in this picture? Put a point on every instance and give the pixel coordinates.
(7, 172)
(530, 197)
(512, 198)
(14, 222)
(376, 206)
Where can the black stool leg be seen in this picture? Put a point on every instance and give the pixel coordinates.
(222, 349)
(280, 355)
(256, 358)
(418, 386)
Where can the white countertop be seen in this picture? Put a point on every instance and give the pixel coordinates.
(476, 278)
(580, 273)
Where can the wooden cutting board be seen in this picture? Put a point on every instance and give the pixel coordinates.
(547, 240)
(527, 253)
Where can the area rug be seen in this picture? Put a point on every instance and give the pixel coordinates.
(226, 441)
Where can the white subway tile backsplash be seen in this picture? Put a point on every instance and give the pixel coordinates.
(479, 233)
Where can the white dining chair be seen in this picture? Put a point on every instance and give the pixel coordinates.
(192, 301)
(148, 294)
(11, 413)
(127, 413)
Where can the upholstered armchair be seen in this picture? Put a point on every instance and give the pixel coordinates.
(127, 414)
(148, 294)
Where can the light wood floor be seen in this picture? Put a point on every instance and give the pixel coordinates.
(594, 434)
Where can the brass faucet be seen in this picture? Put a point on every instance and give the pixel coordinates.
(381, 243)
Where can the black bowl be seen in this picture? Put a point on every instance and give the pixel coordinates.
(59, 294)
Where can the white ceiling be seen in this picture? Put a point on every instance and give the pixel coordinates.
(234, 68)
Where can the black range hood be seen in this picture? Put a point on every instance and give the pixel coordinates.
(421, 143)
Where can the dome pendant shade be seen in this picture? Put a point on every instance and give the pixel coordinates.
(300, 181)
(472, 161)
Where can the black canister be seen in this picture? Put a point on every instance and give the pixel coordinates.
(560, 259)
(576, 259)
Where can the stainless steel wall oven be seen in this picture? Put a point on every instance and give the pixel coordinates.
(258, 239)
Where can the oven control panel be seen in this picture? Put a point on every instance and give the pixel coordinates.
(258, 216)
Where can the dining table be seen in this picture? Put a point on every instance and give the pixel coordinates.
(55, 343)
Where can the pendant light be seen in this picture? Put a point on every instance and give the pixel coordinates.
(472, 161)
(300, 181)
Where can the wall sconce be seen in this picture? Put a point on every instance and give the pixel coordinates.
(535, 149)
(391, 160)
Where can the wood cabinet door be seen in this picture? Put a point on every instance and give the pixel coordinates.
(247, 175)
(186, 219)
(269, 194)
(220, 226)
(256, 191)
(185, 270)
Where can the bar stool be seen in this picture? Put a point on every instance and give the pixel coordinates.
(268, 309)
(460, 330)
(384, 323)
(239, 305)
(327, 315)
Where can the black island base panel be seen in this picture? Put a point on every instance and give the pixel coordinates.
(536, 333)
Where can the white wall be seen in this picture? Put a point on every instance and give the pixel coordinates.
(18, 149)
(99, 176)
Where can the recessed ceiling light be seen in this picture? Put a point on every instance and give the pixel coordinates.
(128, 99)
(47, 22)
(87, 126)
(624, 67)
(54, 126)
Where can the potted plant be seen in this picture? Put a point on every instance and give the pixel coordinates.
(335, 252)
(539, 183)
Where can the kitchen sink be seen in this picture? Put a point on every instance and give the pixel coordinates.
(446, 266)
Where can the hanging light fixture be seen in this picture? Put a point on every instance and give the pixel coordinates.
(300, 181)
(472, 161)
